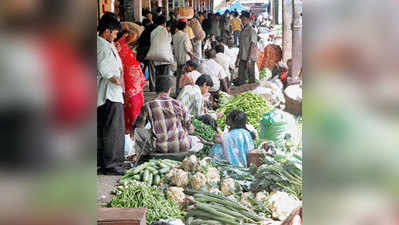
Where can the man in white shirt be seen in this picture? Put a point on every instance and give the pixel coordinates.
(223, 59)
(217, 73)
(182, 49)
(110, 121)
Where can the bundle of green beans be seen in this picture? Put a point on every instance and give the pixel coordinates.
(216, 209)
(255, 106)
(151, 173)
(203, 130)
(135, 194)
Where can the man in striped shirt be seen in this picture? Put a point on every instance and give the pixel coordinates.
(170, 122)
(191, 96)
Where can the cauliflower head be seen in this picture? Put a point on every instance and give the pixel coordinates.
(227, 186)
(190, 163)
(281, 204)
(212, 175)
(260, 196)
(176, 194)
(180, 178)
(198, 181)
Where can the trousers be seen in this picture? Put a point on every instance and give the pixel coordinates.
(110, 135)
(245, 72)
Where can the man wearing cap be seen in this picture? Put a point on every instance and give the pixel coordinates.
(247, 54)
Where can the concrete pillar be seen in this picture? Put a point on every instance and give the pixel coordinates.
(297, 40)
(287, 29)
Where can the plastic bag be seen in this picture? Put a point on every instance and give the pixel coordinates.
(161, 48)
(129, 150)
(275, 124)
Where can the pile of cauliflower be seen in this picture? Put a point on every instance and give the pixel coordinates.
(198, 175)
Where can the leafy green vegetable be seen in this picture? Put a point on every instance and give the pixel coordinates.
(281, 172)
(203, 130)
(265, 74)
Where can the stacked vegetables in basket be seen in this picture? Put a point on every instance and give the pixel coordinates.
(152, 172)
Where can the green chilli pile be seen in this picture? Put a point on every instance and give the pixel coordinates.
(203, 130)
(252, 104)
(135, 194)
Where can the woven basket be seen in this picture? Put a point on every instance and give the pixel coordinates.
(293, 106)
(185, 12)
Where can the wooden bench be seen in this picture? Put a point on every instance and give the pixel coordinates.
(121, 216)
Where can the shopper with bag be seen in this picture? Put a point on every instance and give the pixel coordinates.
(160, 54)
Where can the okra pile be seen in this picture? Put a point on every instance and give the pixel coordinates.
(255, 106)
(203, 130)
(151, 173)
(133, 194)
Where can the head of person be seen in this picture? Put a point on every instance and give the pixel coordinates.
(210, 53)
(279, 68)
(204, 82)
(212, 37)
(161, 21)
(128, 35)
(146, 22)
(149, 16)
(214, 44)
(219, 48)
(181, 25)
(208, 120)
(236, 119)
(235, 14)
(159, 11)
(163, 84)
(169, 25)
(220, 40)
(109, 26)
(245, 17)
(191, 65)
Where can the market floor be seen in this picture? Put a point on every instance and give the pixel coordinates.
(105, 184)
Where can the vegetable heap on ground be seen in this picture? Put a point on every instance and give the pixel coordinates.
(152, 172)
(209, 208)
(135, 194)
(282, 172)
(252, 104)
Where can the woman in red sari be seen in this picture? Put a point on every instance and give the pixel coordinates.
(134, 79)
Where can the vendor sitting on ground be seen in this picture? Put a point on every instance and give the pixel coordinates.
(191, 96)
(169, 120)
(234, 145)
(190, 75)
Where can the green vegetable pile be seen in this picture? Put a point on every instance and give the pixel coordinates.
(209, 208)
(151, 173)
(243, 176)
(203, 130)
(282, 172)
(265, 74)
(138, 195)
(224, 98)
(252, 104)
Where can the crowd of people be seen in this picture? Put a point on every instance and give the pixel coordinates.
(187, 61)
